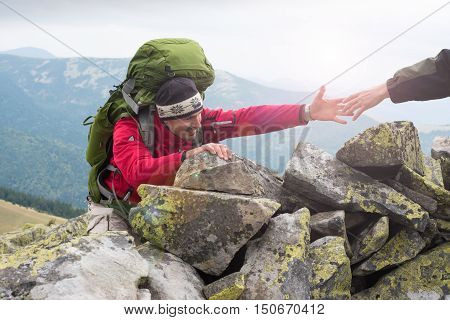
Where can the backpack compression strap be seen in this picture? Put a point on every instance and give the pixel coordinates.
(145, 117)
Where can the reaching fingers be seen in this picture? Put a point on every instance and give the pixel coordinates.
(351, 97)
(339, 120)
(320, 94)
(359, 112)
(349, 105)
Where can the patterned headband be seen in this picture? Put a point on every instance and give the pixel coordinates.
(181, 109)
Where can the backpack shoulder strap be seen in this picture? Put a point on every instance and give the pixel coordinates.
(146, 117)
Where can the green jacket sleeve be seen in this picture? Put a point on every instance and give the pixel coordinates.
(425, 80)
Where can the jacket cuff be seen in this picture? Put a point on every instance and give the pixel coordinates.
(301, 116)
(393, 94)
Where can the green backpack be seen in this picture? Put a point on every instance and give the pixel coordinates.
(155, 62)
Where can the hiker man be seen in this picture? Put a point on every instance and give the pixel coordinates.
(181, 117)
(425, 80)
(148, 147)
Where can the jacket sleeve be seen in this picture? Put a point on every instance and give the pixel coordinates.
(219, 124)
(425, 80)
(135, 161)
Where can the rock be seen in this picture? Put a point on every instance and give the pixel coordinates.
(358, 220)
(208, 172)
(426, 202)
(227, 288)
(440, 151)
(53, 237)
(430, 233)
(420, 184)
(444, 228)
(331, 273)
(380, 151)
(433, 171)
(291, 202)
(370, 240)
(424, 277)
(276, 265)
(204, 229)
(318, 176)
(402, 247)
(11, 241)
(169, 277)
(330, 224)
(104, 266)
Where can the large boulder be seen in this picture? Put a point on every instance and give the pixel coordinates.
(321, 177)
(440, 151)
(402, 247)
(424, 277)
(330, 223)
(103, 266)
(331, 273)
(205, 229)
(276, 265)
(370, 239)
(380, 151)
(169, 277)
(418, 183)
(208, 172)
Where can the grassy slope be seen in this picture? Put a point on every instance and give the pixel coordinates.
(13, 217)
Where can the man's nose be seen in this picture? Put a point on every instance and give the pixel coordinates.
(197, 122)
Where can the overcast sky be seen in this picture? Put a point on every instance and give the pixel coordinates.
(297, 45)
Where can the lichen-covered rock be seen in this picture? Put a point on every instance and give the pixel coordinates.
(426, 202)
(402, 247)
(440, 151)
(276, 265)
(379, 151)
(169, 277)
(229, 287)
(370, 240)
(104, 266)
(319, 176)
(433, 171)
(11, 241)
(53, 238)
(420, 184)
(331, 273)
(205, 229)
(208, 172)
(444, 228)
(424, 277)
(330, 223)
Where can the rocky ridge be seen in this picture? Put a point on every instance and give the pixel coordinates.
(371, 223)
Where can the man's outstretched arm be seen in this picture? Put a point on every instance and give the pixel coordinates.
(222, 124)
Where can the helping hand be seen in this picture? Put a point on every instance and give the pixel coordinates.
(326, 109)
(355, 104)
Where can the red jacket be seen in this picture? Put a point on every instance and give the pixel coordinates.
(138, 166)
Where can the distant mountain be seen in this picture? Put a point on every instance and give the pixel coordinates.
(44, 101)
(30, 52)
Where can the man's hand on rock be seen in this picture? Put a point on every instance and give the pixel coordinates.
(218, 149)
(326, 109)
